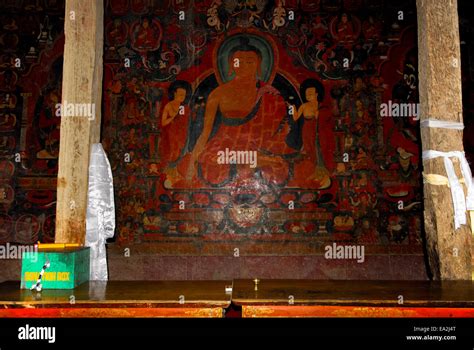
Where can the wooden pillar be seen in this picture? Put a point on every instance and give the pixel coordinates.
(82, 86)
(440, 98)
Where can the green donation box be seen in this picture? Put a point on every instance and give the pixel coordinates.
(68, 268)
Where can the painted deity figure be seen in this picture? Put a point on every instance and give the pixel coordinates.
(310, 111)
(243, 114)
(310, 172)
(345, 29)
(146, 37)
(49, 125)
(117, 33)
(371, 29)
(319, 29)
(135, 102)
(174, 122)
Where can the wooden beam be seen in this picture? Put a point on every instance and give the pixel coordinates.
(82, 84)
(439, 65)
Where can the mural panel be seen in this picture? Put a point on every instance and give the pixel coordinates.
(31, 46)
(260, 124)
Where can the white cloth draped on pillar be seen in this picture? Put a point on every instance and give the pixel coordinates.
(100, 222)
(461, 202)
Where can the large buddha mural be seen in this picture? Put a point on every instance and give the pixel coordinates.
(257, 123)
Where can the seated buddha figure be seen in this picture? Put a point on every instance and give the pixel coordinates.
(242, 114)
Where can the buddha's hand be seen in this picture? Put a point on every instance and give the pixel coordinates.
(267, 89)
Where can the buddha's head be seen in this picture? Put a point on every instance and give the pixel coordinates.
(245, 60)
(344, 18)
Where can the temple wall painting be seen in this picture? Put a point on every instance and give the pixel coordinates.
(321, 164)
(302, 100)
(31, 46)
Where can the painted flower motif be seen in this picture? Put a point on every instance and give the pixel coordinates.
(320, 46)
